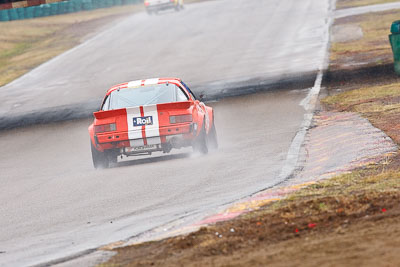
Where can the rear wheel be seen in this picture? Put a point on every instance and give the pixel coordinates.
(201, 143)
(100, 159)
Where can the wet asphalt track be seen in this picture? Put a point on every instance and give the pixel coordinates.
(55, 204)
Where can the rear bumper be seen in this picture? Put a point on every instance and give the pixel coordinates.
(172, 141)
(175, 136)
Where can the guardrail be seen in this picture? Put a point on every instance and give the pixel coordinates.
(58, 8)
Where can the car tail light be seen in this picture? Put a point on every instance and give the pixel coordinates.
(105, 128)
(180, 118)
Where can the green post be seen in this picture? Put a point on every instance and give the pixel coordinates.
(394, 39)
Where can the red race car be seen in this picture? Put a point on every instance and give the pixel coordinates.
(146, 116)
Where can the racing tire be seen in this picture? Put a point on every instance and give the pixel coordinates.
(100, 159)
(213, 138)
(201, 142)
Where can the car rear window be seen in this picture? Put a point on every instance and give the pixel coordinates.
(144, 95)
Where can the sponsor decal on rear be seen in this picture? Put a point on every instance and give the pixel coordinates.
(142, 121)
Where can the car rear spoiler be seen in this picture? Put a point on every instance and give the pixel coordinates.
(176, 105)
(109, 113)
(118, 112)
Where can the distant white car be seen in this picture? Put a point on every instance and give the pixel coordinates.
(157, 5)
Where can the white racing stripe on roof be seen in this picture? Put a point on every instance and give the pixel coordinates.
(151, 81)
(139, 83)
(134, 84)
